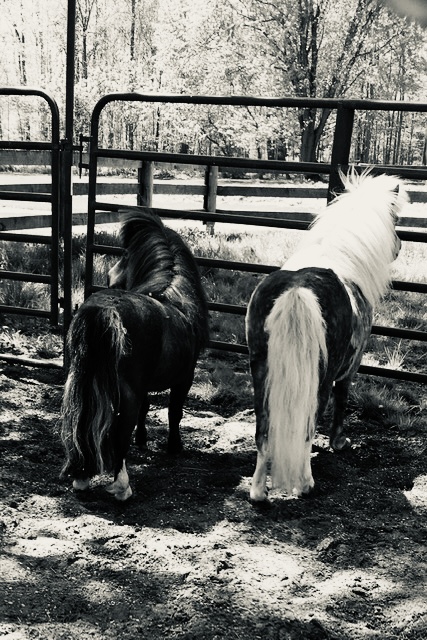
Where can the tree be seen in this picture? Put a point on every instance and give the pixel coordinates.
(320, 49)
(309, 48)
(84, 9)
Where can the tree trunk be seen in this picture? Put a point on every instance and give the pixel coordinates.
(306, 118)
(311, 133)
(132, 30)
(84, 55)
(21, 56)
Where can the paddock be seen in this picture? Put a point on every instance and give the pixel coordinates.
(189, 556)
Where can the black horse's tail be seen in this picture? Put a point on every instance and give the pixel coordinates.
(96, 342)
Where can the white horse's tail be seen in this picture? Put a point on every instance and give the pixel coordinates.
(296, 346)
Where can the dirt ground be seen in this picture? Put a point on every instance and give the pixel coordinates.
(189, 557)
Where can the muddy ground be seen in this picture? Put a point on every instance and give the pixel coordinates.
(189, 557)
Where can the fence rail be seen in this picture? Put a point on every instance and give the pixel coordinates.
(40, 192)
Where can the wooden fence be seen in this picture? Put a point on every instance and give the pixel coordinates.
(144, 186)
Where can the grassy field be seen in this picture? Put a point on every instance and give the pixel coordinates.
(222, 377)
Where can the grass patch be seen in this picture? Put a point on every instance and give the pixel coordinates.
(391, 403)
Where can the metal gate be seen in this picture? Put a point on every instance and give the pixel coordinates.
(345, 110)
(51, 279)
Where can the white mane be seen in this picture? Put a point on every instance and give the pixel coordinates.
(355, 236)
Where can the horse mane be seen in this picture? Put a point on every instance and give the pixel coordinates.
(158, 261)
(355, 234)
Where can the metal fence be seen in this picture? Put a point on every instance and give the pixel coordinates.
(52, 197)
(345, 110)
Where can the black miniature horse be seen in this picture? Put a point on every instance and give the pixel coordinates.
(143, 334)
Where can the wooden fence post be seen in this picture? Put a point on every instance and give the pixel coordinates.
(145, 184)
(209, 198)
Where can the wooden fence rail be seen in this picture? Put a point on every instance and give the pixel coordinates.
(209, 192)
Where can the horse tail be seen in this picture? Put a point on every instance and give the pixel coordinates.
(96, 342)
(296, 348)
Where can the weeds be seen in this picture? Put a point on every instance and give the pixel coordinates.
(392, 403)
(29, 295)
(13, 341)
(48, 346)
(395, 356)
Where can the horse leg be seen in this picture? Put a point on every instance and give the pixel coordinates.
(258, 490)
(125, 424)
(177, 397)
(338, 441)
(141, 431)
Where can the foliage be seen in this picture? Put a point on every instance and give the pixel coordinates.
(312, 48)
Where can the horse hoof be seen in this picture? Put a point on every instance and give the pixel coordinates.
(119, 491)
(122, 496)
(307, 488)
(308, 495)
(258, 495)
(81, 484)
(341, 444)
